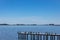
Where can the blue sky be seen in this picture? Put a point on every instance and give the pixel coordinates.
(30, 11)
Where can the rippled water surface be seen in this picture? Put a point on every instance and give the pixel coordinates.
(10, 32)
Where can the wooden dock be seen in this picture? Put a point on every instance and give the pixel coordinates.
(38, 36)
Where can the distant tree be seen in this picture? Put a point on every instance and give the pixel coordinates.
(51, 24)
(4, 24)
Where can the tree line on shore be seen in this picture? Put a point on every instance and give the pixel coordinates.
(32, 24)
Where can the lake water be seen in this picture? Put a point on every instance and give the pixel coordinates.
(10, 32)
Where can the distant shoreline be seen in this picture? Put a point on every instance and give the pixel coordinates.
(29, 25)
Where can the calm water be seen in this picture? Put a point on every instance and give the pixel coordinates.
(10, 32)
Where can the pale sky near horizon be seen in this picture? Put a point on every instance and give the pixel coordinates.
(30, 11)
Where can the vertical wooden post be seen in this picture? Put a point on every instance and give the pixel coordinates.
(51, 37)
(54, 37)
(37, 37)
(58, 37)
(27, 37)
(40, 37)
(44, 37)
(33, 36)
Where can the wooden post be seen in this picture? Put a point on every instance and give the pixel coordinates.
(27, 36)
(37, 37)
(44, 37)
(31, 35)
(40, 37)
(58, 37)
(54, 37)
(51, 37)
